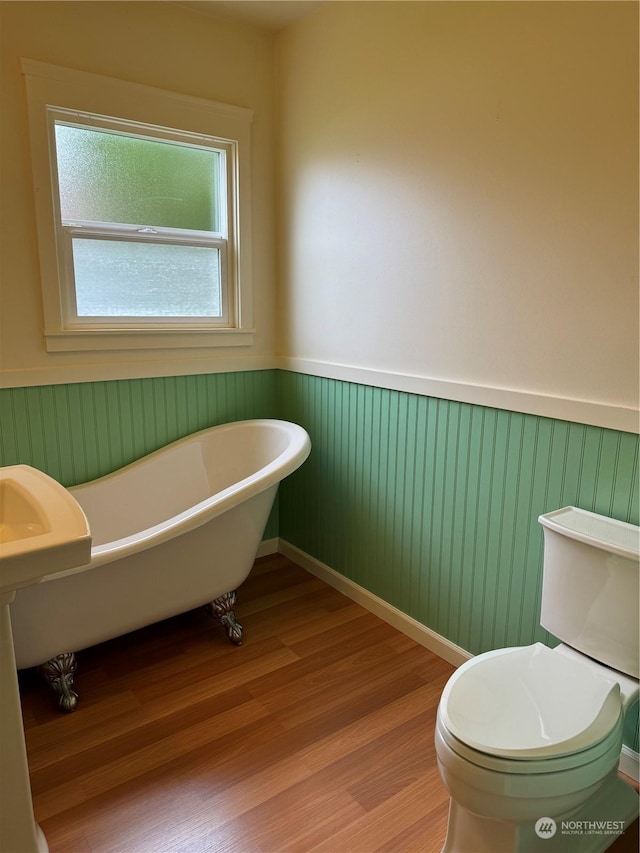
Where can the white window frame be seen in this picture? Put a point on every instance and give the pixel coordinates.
(82, 99)
(141, 232)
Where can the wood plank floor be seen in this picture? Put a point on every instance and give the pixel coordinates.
(315, 735)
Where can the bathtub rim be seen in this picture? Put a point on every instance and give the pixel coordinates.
(291, 458)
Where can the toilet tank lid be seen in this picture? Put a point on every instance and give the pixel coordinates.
(529, 702)
(612, 535)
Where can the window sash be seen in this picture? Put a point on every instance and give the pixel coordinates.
(114, 127)
(95, 231)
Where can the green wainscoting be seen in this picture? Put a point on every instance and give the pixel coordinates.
(81, 431)
(432, 505)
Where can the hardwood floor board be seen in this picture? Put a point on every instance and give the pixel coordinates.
(175, 793)
(239, 765)
(70, 842)
(241, 806)
(384, 823)
(165, 641)
(426, 835)
(177, 745)
(225, 675)
(363, 668)
(124, 734)
(212, 768)
(380, 769)
(275, 825)
(347, 702)
(59, 802)
(207, 686)
(414, 755)
(234, 757)
(239, 754)
(182, 753)
(112, 686)
(53, 727)
(315, 735)
(96, 780)
(295, 622)
(432, 667)
(180, 669)
(262, 763)
(218, 808)
(119, 814)
(238, 760)
(289, 682)
(347, 634)
(370, 726)
(366, 644)
(265, 578)
(401, 642)
(131, 664)
(271, 576)
(249, 605)
(304, 835)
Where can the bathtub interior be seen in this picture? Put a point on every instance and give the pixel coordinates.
(175, 478)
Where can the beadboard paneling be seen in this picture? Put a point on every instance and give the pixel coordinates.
(78, 432)
(82, 431)
(430, 504)
(433, 505)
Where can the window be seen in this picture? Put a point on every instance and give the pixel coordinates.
(142, 224)
(140, 233)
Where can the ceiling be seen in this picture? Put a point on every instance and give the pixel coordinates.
(269, 14)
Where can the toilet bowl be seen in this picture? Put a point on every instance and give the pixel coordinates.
(526, 733)
(528, 739)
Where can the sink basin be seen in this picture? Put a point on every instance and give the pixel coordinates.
(42, 528)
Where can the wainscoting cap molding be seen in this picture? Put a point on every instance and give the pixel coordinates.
(69, 374)
(547, 406)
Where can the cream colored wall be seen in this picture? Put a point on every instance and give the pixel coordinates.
(158, 44)
(459, 199)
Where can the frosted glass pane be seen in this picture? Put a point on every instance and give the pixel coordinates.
(120, 279)
(106, 177)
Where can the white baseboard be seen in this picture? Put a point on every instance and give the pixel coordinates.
(629, 760)
(406, 624)
(268, 546)
(630, 763)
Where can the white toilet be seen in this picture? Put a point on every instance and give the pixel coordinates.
(528, 739)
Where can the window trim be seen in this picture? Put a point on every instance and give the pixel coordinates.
(56, 91)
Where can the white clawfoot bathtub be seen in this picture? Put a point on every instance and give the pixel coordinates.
(174, 530)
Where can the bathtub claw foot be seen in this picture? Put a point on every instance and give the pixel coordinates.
(59, 672)
(223, 610)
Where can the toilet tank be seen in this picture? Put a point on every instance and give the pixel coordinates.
(590, 585)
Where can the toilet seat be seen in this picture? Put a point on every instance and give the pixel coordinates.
(602, 753)
(528, 703)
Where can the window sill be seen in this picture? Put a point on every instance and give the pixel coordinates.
(77, 340)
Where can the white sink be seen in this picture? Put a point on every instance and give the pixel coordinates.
(42, 528)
